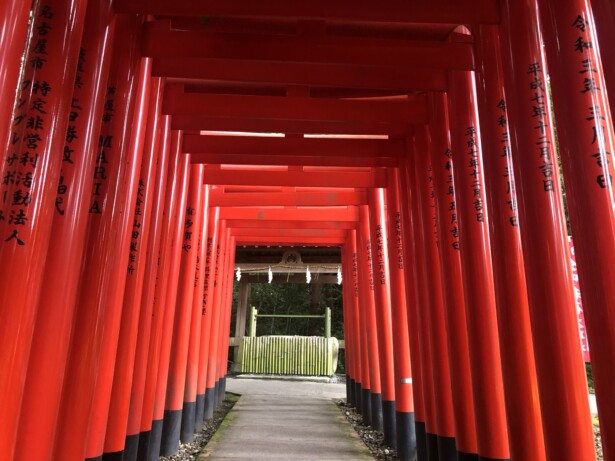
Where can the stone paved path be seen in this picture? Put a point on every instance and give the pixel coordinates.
(293, 421)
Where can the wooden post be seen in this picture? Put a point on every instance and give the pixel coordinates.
(327, 322)
(252, 327)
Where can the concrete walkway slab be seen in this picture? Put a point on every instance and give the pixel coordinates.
(284, 420)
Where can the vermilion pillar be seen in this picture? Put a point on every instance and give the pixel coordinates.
(156, 231)
(380, 262)
(113, 314)
(192, 368)
(587, 144)
(225, 314)
(604, 17)
(440, 426)
(557, 350)
(517, 351)
(214, 330)
(358, 324)
(13, 33)
(226, 278)
(171, 221)
(349, 348)
(85, 397)
(452, 285)
(412, 293)
(477, 275)
(137, 263)
(183, 314)
(30, 171)
(54, 319)
(404, 405)
(230, 274)
(369, 309)
(170, 304)
(205, 395)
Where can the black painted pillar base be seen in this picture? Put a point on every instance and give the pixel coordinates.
(114, 456)
(199, 412)
(421, 441)
(131, 447)
(377, 422)
(389, 424)
(210, 401)
(222, 391)
(447, 450)
(432, 447)
(155, 439)
(350, 398)
(366, 406)
(358, 397)
(144, 438)
(466, 456)
(188, 422)
(97, 458)
(484, 458)
(406, 436)
(171, 429)
(216, 395)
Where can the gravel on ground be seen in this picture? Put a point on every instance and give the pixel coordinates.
(189, 451)
(373, 439)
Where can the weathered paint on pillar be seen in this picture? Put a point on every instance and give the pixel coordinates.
(30, 171)
(452, 285)
(54, 320)
(183, 314)
(587, 144)
(559, 363)
(137, 394)
(380, 261)
(369, 308)
(190, 391)
(477, 275)
(516, 347)
(404, 405)
(133, 294)
(441, 430)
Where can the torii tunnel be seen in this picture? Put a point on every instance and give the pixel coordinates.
(143, 141)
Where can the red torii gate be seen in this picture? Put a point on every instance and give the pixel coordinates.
(103, 141)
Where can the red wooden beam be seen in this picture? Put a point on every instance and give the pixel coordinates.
(375, 178)
(314, 214)
(341, 198)
(395, 11)
(257, 125)
(277, 160)
(285, 146)
(291, 241)
(165, 43)
(243, 232)
(297, 108)
(288, 224)
(403, 77)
